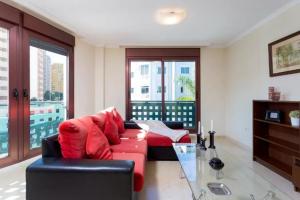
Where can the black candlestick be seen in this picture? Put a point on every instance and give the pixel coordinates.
(198, 138)
(212, 139)
(202, 144)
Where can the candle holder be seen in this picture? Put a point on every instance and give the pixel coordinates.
(201, 144)
(212, 139)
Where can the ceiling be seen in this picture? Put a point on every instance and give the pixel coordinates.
(132, 22)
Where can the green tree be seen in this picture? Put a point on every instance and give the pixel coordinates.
(283, 55)
(189, 84)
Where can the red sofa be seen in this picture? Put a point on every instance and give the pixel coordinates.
(135, 145)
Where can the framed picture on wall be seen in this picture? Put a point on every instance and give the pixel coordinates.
(284, 55)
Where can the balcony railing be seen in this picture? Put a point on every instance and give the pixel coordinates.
(183, 111)
(44, 120)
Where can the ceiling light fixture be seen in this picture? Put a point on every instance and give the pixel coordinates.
(170, 16)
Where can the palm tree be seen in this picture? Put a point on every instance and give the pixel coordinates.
(188, 83)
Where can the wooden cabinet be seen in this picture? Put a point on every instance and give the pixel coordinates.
(276, 145)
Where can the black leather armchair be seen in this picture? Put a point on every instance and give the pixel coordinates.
(53, 177)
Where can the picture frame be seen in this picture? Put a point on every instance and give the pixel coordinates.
(284, 55)
(273, 115)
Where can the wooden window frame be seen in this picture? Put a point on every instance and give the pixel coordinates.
(163, 55)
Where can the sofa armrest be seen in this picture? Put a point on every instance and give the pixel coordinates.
(174, 125)
(61, 179)
(171, 125)
(131, 125)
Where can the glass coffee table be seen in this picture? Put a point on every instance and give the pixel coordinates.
(234, 182)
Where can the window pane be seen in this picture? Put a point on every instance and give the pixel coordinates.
(180, 92)
(145, 98)
(4, 88)
(47, 93)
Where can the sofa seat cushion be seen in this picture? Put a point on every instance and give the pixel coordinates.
(131, 146)
(134, 134)
(155, 140)
(139, 167)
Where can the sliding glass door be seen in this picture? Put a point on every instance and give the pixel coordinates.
(9, 95)
(46, 92)
(180, 92)
(163, 89)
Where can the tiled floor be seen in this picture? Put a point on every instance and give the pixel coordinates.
(162, 180)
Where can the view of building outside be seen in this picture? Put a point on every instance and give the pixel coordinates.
(4, 87)
(146, 81)
(47, 93)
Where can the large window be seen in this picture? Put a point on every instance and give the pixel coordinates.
(170, 91)
(36, 83)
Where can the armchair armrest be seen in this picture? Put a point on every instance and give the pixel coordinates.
(61, 179)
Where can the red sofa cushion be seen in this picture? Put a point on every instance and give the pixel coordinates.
(111, 130)
(119, 121)
(97, 146)
(155, 140)
(72, 137)
(131, 146)
(134, 133)
(139, 167)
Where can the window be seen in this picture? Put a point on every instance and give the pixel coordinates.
(159, 89)
(185, 70)
(132, 90)
(132, 74)
(145, 89)
(159, 70)
(180, 83)
(144, 69)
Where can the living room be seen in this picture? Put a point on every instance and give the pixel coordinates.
(151, 60)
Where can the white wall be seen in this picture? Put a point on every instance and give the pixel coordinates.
(213, 88)
(114, 86)
(84, 85)
(247, 74)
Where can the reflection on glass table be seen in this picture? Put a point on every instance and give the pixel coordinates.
(238, 182)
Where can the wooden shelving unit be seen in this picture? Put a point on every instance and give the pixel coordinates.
(277, 145)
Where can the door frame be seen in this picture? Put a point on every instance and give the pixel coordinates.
(27, 36)
(13, 83)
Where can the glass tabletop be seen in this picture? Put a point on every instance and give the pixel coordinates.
(243, 183)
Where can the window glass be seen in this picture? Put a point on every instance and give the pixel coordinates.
(48, 90)
(4, 86)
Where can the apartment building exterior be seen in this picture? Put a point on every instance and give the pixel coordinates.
(146, 80)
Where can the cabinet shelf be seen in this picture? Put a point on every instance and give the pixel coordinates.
(277, 166)
(277, 124)
(281, 143)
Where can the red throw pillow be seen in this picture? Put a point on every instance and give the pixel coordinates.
(99, 120)
(72, 138)
(119, 121)
(111, 130)
(97, 146)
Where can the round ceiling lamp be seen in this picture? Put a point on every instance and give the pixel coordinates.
(170, 16)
